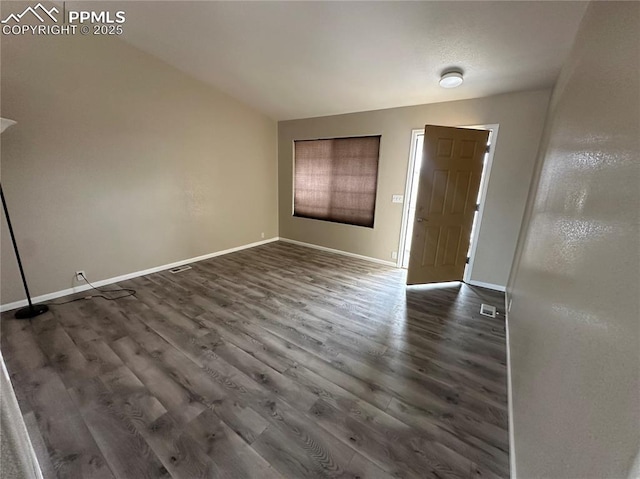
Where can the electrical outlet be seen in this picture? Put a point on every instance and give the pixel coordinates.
(394, 255)
(397, 198)
(80, 276)
(262, 235)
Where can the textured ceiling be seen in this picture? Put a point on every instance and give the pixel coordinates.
(305, 59)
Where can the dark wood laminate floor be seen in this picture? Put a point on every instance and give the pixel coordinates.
(274, 362)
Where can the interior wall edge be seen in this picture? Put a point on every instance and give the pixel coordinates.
(512, 442)
(572, 332)
(18, 454)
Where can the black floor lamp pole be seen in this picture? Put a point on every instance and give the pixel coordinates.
(32, 310)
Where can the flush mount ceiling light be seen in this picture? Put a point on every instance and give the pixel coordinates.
(451, 79)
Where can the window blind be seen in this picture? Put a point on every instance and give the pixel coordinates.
(336, 179)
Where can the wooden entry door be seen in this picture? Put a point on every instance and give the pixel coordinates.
(447, 192)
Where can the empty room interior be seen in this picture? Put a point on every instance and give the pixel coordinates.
(320, 239)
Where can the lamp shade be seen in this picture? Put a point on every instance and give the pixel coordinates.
(6, 123)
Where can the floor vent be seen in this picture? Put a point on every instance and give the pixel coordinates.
(179, 269)
(488, 310)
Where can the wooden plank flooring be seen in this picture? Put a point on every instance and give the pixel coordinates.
(274, 362)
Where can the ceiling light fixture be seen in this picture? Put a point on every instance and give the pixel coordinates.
(451, 79)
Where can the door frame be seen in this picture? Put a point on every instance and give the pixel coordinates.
(486, 173)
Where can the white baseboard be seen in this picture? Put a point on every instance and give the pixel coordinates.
(512, 445)
(338, 251)
(495, 287)
(124, 277)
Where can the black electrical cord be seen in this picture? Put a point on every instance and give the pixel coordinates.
(129, 291)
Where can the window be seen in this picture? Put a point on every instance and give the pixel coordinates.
(336, 179)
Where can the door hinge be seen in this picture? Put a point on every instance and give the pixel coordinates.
(467, 261)
(488, 149)
(478, 207)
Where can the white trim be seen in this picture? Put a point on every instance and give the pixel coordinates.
(337, 251)
(124, 277)
(407, 194)
(512, 444)
(483, 196)
(14, 428)
(495, 287)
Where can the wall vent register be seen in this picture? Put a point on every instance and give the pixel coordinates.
(179, 269)
(488, 310)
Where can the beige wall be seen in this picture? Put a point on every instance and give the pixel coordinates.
(575, 319)
(521, 118)
(120, 163)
